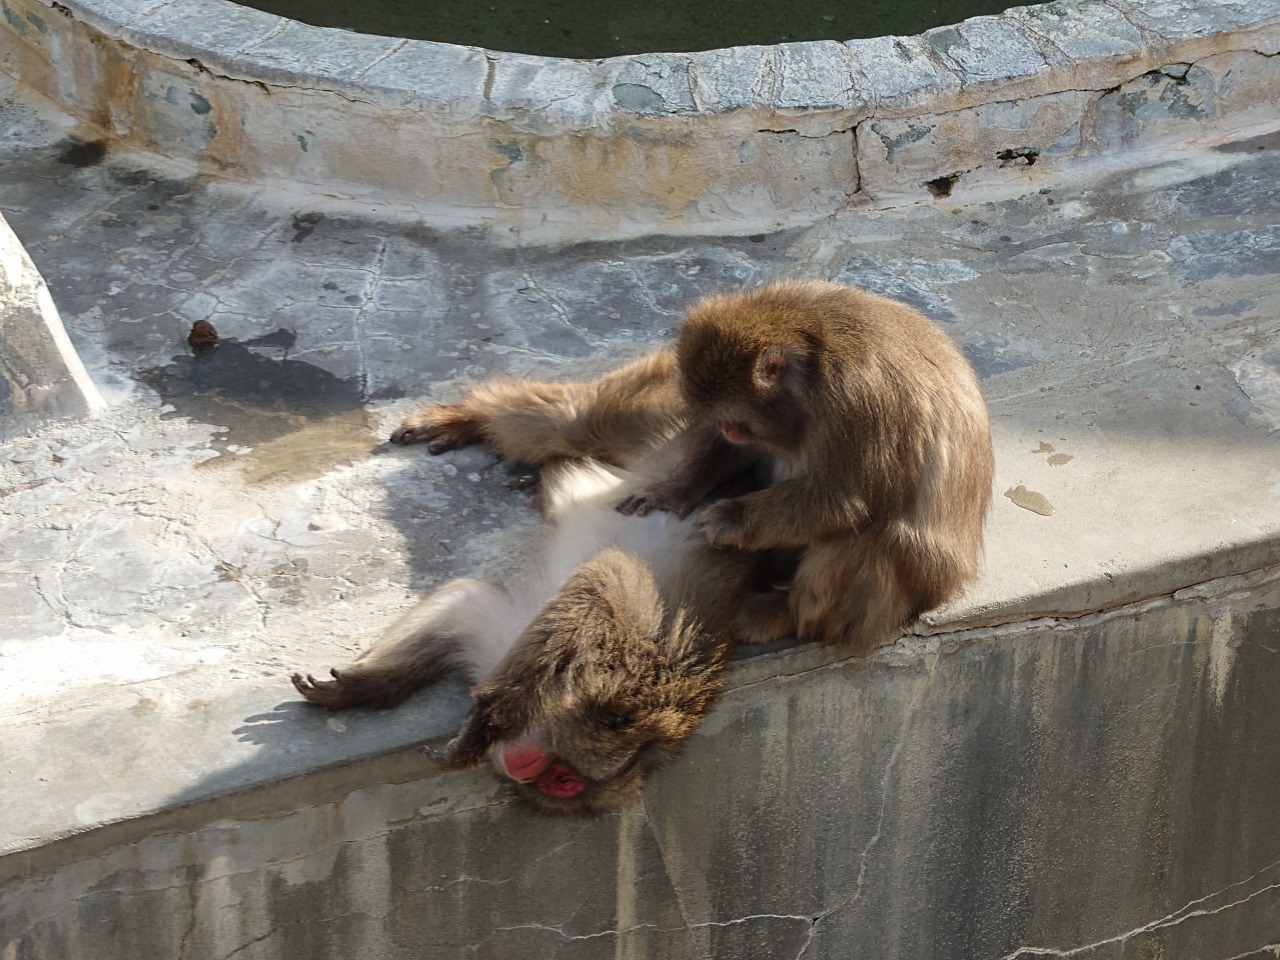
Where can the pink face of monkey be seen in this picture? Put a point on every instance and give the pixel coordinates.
(608, 769)
(529, 763)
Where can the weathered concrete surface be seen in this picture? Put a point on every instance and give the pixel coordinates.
(1097, 789)
(40, 373)
(744, 139)
(1081, 753)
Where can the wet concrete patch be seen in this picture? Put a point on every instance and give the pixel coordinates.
(284, 420)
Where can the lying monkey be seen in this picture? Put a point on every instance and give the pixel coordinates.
(594, 665)
(810, 432)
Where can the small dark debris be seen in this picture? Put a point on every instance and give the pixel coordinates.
(153, 206)
(941, 186)
(304, 224)
(1024, 155)
(1197, 386)
(202, 336)
(757, 238)
(83, 153)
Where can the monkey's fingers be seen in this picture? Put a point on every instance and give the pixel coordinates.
(317, 691)
(636, 505)
(336, 694)
(454, 756)
(442, 428)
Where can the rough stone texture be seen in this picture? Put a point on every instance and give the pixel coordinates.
(901, 72)
(212, 32)
(817, 78)
(1024, 796)
(1186, 103)
(655, 143)
(1014, 142)
(987, 50)
(1088, 30)
(41, 373)
(299, 55)
(1078, 759)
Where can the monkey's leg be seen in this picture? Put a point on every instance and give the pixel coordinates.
(849, 593)
(613, 419)
(438, 636)
(763, 617)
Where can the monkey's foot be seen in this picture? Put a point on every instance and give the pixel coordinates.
(442, 427)
(764, 617)
(348, 689)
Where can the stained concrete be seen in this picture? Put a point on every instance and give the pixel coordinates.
(716, 141)
(1077, 759)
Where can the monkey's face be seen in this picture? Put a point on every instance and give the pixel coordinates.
(607, 770)
(744, 374)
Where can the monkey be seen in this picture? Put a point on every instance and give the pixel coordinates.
(592, 666)
(871, 427)
(820, 459)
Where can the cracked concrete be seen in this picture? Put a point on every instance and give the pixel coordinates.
(739, 140)
(1077, 759)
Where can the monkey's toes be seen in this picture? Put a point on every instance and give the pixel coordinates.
(326, 693)
(435, 756)
(442, 428)
(634, 505)
(453, 757)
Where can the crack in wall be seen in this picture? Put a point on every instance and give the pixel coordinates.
(1189, 911)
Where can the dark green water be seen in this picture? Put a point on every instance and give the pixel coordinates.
(574, 28)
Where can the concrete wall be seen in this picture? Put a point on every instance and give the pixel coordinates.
(1096, 788)
(40, 372)
(746, 138)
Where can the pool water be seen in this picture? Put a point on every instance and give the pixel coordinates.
(570, 28)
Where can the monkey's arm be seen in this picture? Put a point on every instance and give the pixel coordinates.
(709, 463)
(791, 513)
(616, 418)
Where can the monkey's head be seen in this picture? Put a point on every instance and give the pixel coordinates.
(752, 364)
(596, 757)
(603, 687)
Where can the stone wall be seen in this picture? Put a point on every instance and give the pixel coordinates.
(745, 138)
(1097, 788)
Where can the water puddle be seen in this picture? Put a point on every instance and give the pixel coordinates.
(283, 420)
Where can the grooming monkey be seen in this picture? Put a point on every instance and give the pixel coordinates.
(875, 443)
(812, 434)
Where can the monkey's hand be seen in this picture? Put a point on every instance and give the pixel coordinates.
(442, 427)
(724, 523)
(468, 748)
(670, 497)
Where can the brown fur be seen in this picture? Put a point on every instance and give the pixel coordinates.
(856, 505)
(874, 426)
(608, 681)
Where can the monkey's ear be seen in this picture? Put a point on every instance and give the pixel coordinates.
(773, 362)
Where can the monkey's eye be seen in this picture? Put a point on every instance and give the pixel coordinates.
(613, 719)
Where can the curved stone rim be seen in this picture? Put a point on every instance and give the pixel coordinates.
(733, 139)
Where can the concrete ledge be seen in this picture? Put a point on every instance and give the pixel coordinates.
(1073, 788)
(743, 138)
(41, 375)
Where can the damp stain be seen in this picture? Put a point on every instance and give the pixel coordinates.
(1030, 500)
(283, 420)
(1058, 459)
(83, 153)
